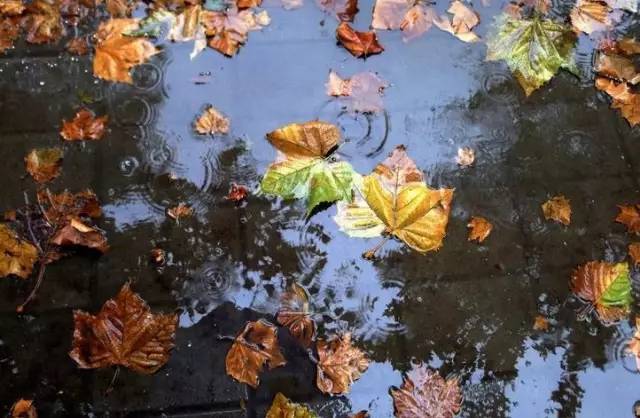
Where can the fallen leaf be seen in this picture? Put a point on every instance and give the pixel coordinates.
(76, 233)
(360, 44)
(124, 333)
(57, 207)
(282, 407)
(466, 156)
(606, 286)
(9, 32)
(116, 54)
(634, 253)
(78, 46)
(180, 211)
(343, 10)
(84, 126)
(630, 217)
(158, 256)
(11, 7)
(389, 14)
(17, 256)
(24, 408)
(44, 164)
(557, 209)
(395, 200)
(540, 323)
(237, 193)
(461, 24)
(303, 168)
(417, 21)
(628, 46)
(120, 8)
(591, 16)
(535, 50)
(294, 314)
(229, 30)
(425, 394)
(360, 93)
(212, 122)
(255, 346)
(622, 97)
(634, 343)
(629, 5)
(188, 27)
(479, 229)
(248, 4)
(339, 364)
(43, 22)
(617, 67)
(361, 414)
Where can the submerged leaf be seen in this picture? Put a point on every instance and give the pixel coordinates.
(44, 164)
(558, 209)
(124, 333)
(425, 394)
(389, 14)
(212, 122)
(294, 314)
(630, 217)
(339, 364)
(360, 44)
(534, 49)
(479, 229)
(84, 126)
(606, 286)
(17, 256)
(360, 93)
(282, 407)
(255, 346)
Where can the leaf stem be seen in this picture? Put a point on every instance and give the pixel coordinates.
(42, 266)
(371, 254)
(113, 380)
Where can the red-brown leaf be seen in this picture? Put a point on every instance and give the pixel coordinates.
(339, 364)
(360, 44)
(85, 125)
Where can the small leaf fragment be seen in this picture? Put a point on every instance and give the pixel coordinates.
(212, 122)
(339, 364)
(294, 314)
(466, 156)
(237, 193)
(540, 323)
(44, 164)
(629, 216)
(634, 253)
(479, 228)
(591, 16)
(558, 209)
(78, 46)
(17, 256)
(360, 44)
(343, 10)
(181, 211)
(282, 407)
(24, 408)
(84, 126)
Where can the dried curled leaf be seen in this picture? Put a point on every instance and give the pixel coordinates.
(360, 93)
(255, 346)
(558, 209)
(479, 228)
(17, 256)
(466, 156)
(534, 49)
(339, 364)
(282, 407)
(606, 286)
(634, 253)
(124, 333)
(24, 408)
(623, 99)
(630, 217)
(212, 122)
(294, 314)
(76, 233)
(44, 164)
(116, 54)
(84, 126)
(425, 394)
(360, 44)
(463, 21)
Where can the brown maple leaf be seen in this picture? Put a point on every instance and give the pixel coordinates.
(237, 193)
(212, 122)
(84, 126)
(44, 164)
(479, 229)
(360, 93)
(634, 253)
(78, 234)
(180, 211)
(339, 364)
(17, 256)
(558, 209)
(255, 346)
(294, 314)
(360, 44)
(43, 22)
(540, 323)
(116, 54)
(425, 394)
(24, 408)
(630, 217)
(78, 46)
(124, 333)
(343, 10)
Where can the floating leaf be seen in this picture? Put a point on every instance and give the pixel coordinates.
(229, 30)
(339, 364)
(44, 164)
(622, 97)
(237, 193)
(360, 44)
(188, 27)
(630, 217)
(180, 211)
(395, 199)
(558, 209)
(466, 156)
(344, 10)
(534, 49)
(479, 228)
(461, 24)
(116, 54)
(634, 253)
(212, 122)
(124, 333)
(84, 126)
(255, 346)
(417, 21)
(360, 93)
(617, 67)
(591, 16)
(606, 286)
(17, 256)
(78, 234)
(304, 169)
(282, 407)
(294, 314)
(43, 23)
(424, 393)
(24, 408)
(634, 343)
(540, 323)
(389, 14)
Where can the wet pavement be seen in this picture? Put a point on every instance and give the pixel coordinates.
(467, 310)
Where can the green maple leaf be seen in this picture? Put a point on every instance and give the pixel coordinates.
(535, 49)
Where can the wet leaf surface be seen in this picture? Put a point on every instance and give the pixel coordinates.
(17, 256)
(212, 122)
(479, 229)
(282, 407)
(76, 233)
(294, 314)
(360, 44)
(558, 209)
(629, 216)
(339, 364)
(360, 93)
(462, 22)
(24, 408)
(84, 126)
(44, 164)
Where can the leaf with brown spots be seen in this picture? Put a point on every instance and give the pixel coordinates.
(84, 126)
(634, 253)
(116, 54)
(237, 193)
(343, 10)
(360, 44)
(24, 408)
(360, 93)
(558, 209)
(630, 217)
(540, 323)
(466, 156)
(212, 122)
(44, 164)
(425, 394)
(76, 233)
(283, 407)
(462, 22)
(255, 346)
(124, 333)
(43, 23)
(479, 229)
(17, 256)
(294, 314)
(339, 364)
(180, 211)
(78, 46)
